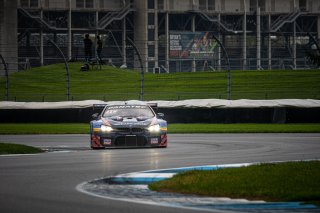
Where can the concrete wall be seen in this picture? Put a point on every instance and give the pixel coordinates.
(57, 4)
(232, 6)
(181, 5)
(8, 34)
(224, 6)
(314, 6)
(64, 4)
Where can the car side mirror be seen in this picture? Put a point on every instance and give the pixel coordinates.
(160, 115)
(95, 116)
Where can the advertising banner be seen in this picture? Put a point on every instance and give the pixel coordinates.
(190, 45)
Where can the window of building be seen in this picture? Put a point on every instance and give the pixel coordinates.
(303, 5)
(262, 5)
(273, 5)
(24, 3)
(34, 3)
(171, 5)
(150, 4)
(151, 65)
(253, 5)
(202, 4)
(150, 18)
(101, 4)
(310, 5)
(211, 4)
(80, 4)
(89, 3)
(223, 5)
(160, 4)
(151, 50)
(150, 34)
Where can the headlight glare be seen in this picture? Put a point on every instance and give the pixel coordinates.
(154, 128)
(106, 128)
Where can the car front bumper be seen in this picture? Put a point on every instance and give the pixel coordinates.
(129, 139)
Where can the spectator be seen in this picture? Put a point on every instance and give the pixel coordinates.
(87, 47)
(99, 49)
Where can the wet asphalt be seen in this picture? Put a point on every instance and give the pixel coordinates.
(47, 182)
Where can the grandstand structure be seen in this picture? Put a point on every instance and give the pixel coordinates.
(171, 35)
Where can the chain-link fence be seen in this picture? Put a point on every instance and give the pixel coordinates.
(174, 43)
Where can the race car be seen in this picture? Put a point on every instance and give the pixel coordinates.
(128, 125)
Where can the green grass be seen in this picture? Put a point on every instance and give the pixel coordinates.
(7, 148)
(244, 128)
(83, 128)
(49, 128)
(48, 83)
(295, 181)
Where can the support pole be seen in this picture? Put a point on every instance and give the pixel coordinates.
(66, 67)
(294, 45)
(156, 38)
(244, 40)
(228, 66)
(167, 42)
(97, 33)
(219, 47)
(69, 33)
(269, 44)
(193, 29)
(258, 40)
(318, 27)
(124, 43)
(141, 68)
(7, 77)
(41, 39)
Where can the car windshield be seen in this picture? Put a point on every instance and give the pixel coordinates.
(128, 111)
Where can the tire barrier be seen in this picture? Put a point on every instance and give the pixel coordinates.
(172, 115)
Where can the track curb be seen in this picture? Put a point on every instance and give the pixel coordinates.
(136, 183)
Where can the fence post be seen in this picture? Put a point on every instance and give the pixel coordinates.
(7, 76)
(228, 67)
(66, 66)
(141, 67)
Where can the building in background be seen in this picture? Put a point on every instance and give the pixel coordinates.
(8, 33)
(172, 35)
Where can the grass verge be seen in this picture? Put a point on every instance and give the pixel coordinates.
(83, 128)
(47, 83)
(7, 148)
(294, 181)
(244, 128)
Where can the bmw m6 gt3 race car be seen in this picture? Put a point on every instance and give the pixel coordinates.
(128, 125)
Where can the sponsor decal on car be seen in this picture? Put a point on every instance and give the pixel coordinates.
(154, 141)
(107, 141)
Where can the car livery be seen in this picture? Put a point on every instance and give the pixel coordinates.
(128, 125)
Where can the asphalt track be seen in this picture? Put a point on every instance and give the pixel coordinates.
(46, 182)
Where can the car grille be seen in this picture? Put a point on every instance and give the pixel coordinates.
(130, 141)
(128, 130)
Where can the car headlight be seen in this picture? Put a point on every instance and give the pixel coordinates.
(106, 128)
(154, 128)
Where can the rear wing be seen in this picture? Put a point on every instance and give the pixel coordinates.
(98, 107)
(154, 106)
